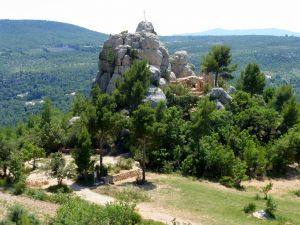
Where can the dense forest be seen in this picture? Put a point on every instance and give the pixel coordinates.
(42, 58)
(256, 134)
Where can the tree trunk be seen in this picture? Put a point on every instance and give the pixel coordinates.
(34, 164)
(144, 161)
(216, 80)
(5, 171)
(59, 181)
(100, 153)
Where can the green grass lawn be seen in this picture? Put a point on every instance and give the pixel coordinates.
(208, 203)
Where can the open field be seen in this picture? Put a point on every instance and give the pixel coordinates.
(203, 202)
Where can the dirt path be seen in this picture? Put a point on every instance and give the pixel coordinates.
(89, 195)
(41, 208)
(147, 211)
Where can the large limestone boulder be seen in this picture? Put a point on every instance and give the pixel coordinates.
(155, 95)
(120, 50)
(150, 41)
(220, 95)
(155, 75)
(180, 66)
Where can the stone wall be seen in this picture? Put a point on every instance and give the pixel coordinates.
(133, 173)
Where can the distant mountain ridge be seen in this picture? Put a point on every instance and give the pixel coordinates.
(36, 33)
(224, 32)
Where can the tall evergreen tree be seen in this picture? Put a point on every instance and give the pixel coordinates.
(132, 90)
(142, 120)
(82, 154)
(47, 112)
(253, 80)
(218, 61)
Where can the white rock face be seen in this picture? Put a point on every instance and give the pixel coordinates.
(145, 26)
(112, 83)
(120, 50)
(220, 95)
(179, 65)
(155, 95)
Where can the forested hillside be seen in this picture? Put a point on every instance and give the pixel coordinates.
(42, 58)
(278, 57)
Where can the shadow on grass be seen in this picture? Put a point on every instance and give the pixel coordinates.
(145, 186)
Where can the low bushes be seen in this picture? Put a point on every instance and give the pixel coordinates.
(37, 194)
(297, 193)
(122, 164)
(250, 208)
(20, 216)
(60, 189)
(270, 207)
(79, 211)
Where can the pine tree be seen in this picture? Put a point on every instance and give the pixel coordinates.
(253, 80)
(83, 152)
(218, 61)
(133, 89)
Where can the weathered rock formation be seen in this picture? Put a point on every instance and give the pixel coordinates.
(120, 50)
(180, 66)
(220, 96)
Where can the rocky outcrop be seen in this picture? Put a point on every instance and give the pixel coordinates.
(180, 66)
(120, 50)
(145, 26)
(220, 96)
(155, 95)
(231, 90)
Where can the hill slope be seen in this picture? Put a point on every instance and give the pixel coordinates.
(26, 34)
(44, 58)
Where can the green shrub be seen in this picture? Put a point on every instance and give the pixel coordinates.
(37, 194)
(3, 182)
(250, 208)
(122, 164)
(151, 222)
(60, 198)
(125, 164)
(78, 211)
(270, 207)
(207, 88)
(297, 193)
(19, 188)
(20, 216)
(168, 167)
(227, 181)
(62, 188)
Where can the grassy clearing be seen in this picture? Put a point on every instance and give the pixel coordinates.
(129, 193)
(209, 203)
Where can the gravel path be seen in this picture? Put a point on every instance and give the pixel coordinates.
(89, 195)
